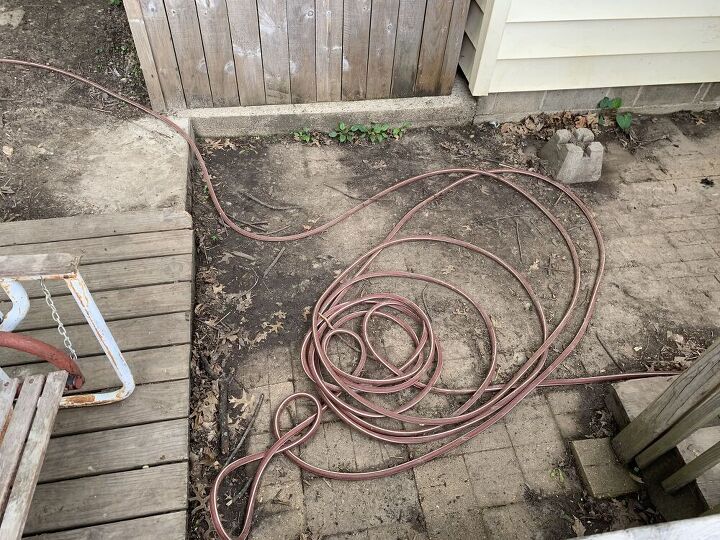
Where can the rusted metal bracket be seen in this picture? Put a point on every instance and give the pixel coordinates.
(62, 266)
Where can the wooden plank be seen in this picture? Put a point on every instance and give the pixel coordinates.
(22, 267)
(114, 248)
(691, 387)
(603, 71)
(571, 10)
(707, 484)
(698, 416)
(115, 275)
(115, 450)
(130, 334)
(637, 36)
(147, 366)
(328, 49)
(186, 38)
(145, 55)
(272, 17)
(108, 498)
(356, 40)
(432, 47)
(115, 305)
(39, 231)
(14, 440)
(158, 31)
(456, 33)
(301, 43)
(245, 35)
(689, 472)
(217, 46)
(411, 19)
(7, 396)
(164, 526)
(18, 506)
(383, 30)
(148, 403)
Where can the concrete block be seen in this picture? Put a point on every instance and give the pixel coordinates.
(629, 398)
(574, 157)
(600, 469)
(496, 477)
(511, 521)
(713, 93)
(533, 411)
(628, 94)
(454, 110)
(580, 99)
(664, 94)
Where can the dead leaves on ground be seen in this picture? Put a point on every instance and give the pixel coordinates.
(544, 125)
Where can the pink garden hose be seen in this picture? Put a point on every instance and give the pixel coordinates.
(348, 394)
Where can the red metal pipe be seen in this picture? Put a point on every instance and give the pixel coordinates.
(48, 353)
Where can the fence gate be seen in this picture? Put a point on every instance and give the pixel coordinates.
(219, 53)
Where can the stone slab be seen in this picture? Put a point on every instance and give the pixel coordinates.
(600, 470)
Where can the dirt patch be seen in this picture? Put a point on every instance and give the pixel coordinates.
(46, 120)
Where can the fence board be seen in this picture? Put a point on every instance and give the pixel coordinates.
(356, 39)
(245, 35)
(328, 49)
(454, 43)
(432, 47)
(689, 389)
(217, 46)
(301, 42)
(383, 30)
(411, 19)
(690, 471)
(185, 29)
(158, 31)
(272, 17)
(144, 51)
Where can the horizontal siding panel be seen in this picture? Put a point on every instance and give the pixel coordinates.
(605, 37)
(467, 56)
(602, 71)
(579, 10)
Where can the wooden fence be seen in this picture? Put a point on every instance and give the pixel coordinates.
(219, 53)
(690, 402)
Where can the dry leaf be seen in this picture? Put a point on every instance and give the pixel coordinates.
(8, 151)
(578, 528)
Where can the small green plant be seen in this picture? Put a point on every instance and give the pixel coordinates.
(400, 130)
(610, 107)
(303, 135)
(116, 3)
(377, 133)
(344, 132)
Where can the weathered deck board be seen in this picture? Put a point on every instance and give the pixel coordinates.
(147, 366)
(161, 527)
(115, 450)
(123, 274)
(114, 305)
(108, 497)
(113, 248)
(92, 226)
(116, 471)
(130, 334)
(149, 403)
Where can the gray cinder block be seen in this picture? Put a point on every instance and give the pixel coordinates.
(574, 157)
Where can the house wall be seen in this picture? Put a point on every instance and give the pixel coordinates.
(536, 46)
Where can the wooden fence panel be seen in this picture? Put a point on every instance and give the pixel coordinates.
(205, 53)
(158, 30)
(185, 29)
(245, 35)
(356, 39)
(272, 15)
(432, 48)
(383, 31)
(411, 19)
(217, 47)
(328, 49)
(301, 39)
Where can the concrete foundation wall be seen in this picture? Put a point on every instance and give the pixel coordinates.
(460, 108)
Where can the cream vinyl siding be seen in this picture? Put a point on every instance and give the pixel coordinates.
(527, 45)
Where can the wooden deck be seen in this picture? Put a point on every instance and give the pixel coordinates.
(116, 471)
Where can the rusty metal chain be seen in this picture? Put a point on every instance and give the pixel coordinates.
(56, 317)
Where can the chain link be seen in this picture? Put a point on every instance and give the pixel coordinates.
(56, 317)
